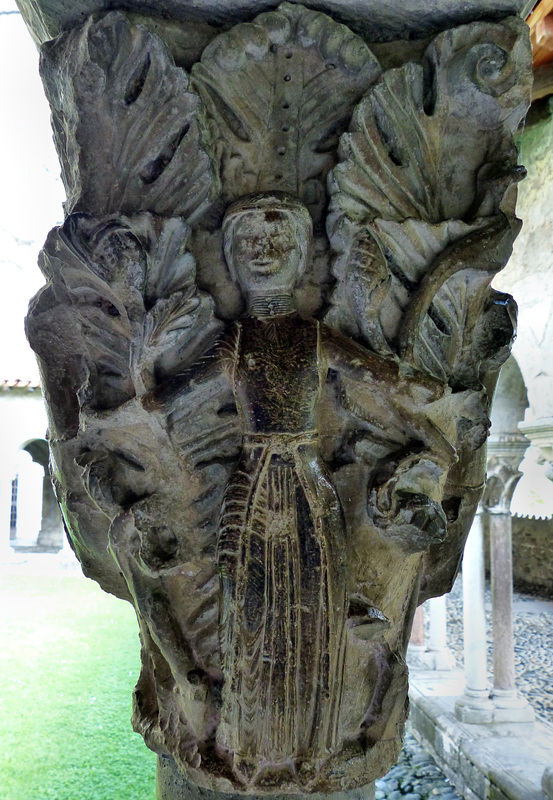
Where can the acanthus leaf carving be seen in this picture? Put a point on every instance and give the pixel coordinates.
(130, 133)
(280, 91)
(418, 197)
(131, 283)
(414, 150)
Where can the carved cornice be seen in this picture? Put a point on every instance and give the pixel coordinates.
(507, 446)
(539, 432)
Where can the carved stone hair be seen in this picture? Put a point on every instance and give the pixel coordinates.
(266, 201)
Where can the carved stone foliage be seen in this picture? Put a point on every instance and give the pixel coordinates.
(129, 133)
(505, 454)
(280, 91)
(267, 342)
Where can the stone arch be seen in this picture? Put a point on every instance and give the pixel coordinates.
(35, 519)
(38, 450)
(510, 400)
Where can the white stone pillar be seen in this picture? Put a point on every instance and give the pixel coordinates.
(433, 653)
(29, 499)
(475, 704)
(417, 648)
(442, 657)
(5, 510)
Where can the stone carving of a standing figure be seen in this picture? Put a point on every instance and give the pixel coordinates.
(268, 344)
(282, 549)
(281, 544)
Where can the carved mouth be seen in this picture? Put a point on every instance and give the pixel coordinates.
(262, 267)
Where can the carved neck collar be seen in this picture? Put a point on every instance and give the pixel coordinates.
(270, 305)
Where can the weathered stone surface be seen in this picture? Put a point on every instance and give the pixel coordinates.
(269, 398)
(374, 19)
(547, 782)
(532, 557)
(171, 784)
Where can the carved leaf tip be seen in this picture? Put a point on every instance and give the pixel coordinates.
(428, 171)
(279, 91)
(115, 91)
(130, 284)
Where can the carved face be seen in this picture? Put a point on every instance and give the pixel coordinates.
(266, 250)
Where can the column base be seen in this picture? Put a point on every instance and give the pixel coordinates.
(172, 785)
(434, 660)
(510, 707)
(479, 707)
(475, 707)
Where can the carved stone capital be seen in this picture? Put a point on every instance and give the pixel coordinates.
(540, 434)
(505, 453)
(267, 342)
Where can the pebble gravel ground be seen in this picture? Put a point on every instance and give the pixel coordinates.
(533, 634)
(416, 775)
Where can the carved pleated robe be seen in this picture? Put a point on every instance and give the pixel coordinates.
(280, 546)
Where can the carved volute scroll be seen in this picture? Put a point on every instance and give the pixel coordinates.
(268, 343)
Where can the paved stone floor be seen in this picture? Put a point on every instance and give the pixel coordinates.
(416, 776)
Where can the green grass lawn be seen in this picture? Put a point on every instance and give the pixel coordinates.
(69, 659)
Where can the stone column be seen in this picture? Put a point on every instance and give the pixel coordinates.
(276, 260)
(433, 653)
(417, 632)
(475, 704)
(6, 478)
(505, 455)
(51, 535)
(442, 657)
(416, 649)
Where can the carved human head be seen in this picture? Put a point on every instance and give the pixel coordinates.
(267, 241)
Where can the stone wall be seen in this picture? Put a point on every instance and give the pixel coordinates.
(532, 555)
(528, 275)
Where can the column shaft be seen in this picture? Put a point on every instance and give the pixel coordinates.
(475, 705)
(417, 631)
(502, 603)
(474, 614)
(437, 638)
